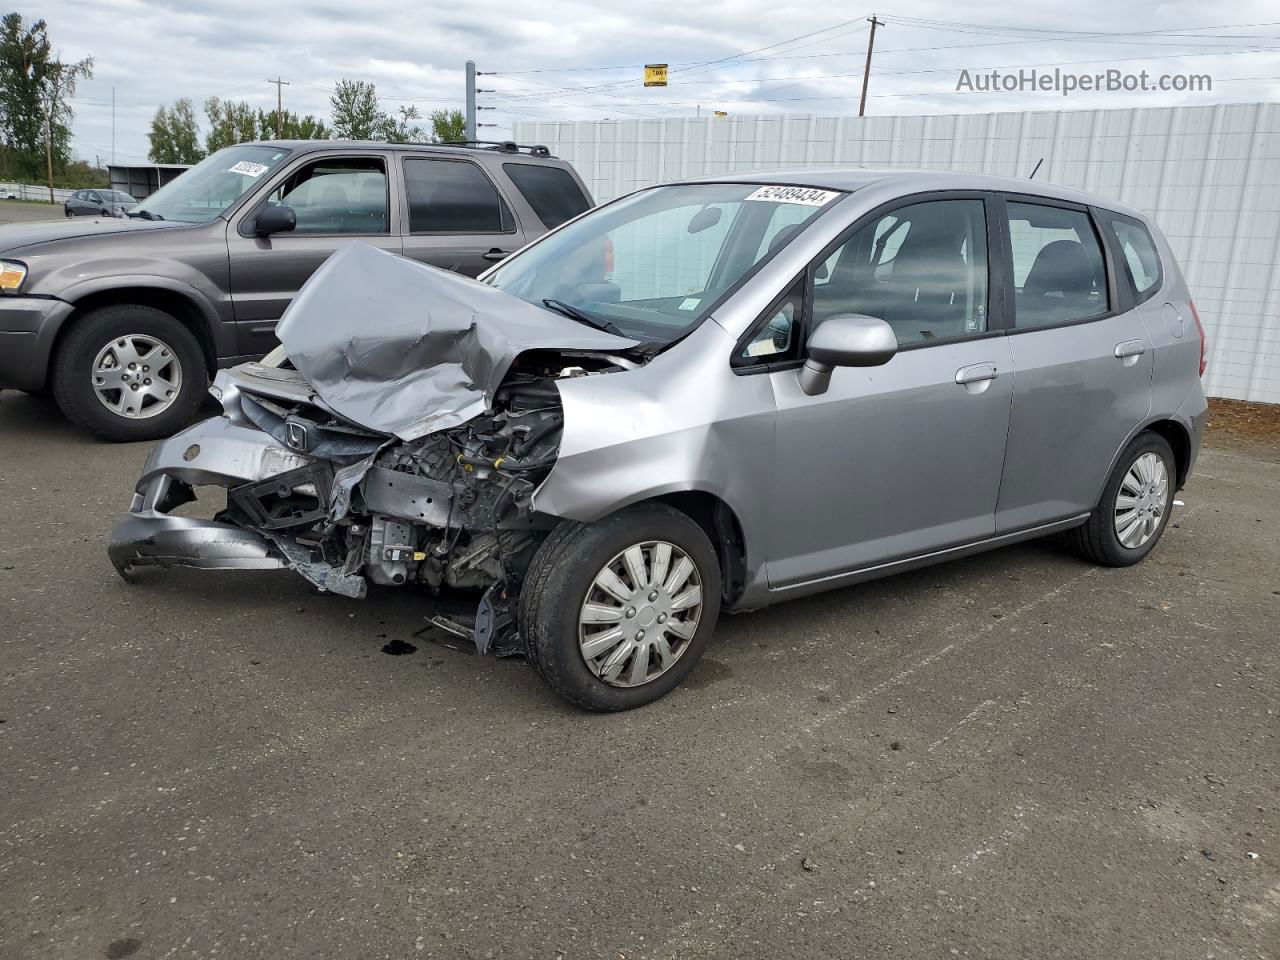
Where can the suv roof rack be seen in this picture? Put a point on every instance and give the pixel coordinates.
(502, 146)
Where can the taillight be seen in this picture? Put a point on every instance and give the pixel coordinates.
(1200, 330)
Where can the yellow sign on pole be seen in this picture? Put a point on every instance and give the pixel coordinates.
(655, 74)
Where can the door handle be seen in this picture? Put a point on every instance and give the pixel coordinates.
(496, 254)
(976, 373)
(1131, 348)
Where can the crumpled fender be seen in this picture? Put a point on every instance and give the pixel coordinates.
(680, 423)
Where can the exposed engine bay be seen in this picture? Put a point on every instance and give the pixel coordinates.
(451, 509)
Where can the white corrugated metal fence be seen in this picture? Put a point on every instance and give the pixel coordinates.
(1209, 175)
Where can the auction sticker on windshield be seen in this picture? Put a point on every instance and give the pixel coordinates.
(808, 196)
(249, 169)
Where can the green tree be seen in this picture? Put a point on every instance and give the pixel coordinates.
(399, 127)
(448, 126)
(175, 134)
(292, 126)
(355, 111)
(35, 117)
(229, 123)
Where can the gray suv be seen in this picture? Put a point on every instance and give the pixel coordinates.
(702, 396)
(125, 321)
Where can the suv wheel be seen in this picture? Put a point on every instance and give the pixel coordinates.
(129, 372)
(616, 613)
(1135, 505)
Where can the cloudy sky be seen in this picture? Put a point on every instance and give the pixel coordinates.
(569, 59)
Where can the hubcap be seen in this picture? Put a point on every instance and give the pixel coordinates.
(640, 613)
(1142, 500)
(136, 376)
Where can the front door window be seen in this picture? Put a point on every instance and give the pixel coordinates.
(338, 195)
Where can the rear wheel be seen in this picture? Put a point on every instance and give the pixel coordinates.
(129, 372)
(615, 614)
(1135, 505)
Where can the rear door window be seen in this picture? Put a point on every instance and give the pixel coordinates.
(1139, 252)
(1058, 270)
(551, 191)
(453, 196)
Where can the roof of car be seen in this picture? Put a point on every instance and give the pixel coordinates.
(912, 181)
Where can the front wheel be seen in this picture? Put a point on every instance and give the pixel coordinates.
(1135, 505)
(129, 372)
(616, 613)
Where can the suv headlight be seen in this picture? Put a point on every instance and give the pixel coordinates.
(12, 273)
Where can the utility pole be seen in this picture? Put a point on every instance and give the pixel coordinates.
(866, 73)
(280, 85)
(471, 101)
(113, 126)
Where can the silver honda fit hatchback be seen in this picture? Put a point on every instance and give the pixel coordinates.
(703, 396)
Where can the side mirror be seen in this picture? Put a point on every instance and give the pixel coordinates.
(278, 219)
(846, 340)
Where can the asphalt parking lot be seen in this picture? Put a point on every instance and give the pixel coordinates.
(1014, 755)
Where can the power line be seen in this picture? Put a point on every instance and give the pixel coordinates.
(702, 66)
(1056, 33)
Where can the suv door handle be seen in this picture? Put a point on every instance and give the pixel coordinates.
(976, 373)
(496, 254)
(1131, 348)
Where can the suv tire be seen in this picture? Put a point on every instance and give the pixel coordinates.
(563, 577)
(137, 329)
(1144, 489)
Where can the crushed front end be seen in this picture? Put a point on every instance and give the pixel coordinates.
(345, 506)
(396, 438)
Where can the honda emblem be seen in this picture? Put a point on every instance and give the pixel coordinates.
(296, 435)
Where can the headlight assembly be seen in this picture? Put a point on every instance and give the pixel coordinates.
(12, 273)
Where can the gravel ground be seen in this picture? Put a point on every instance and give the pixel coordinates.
(1015, 755)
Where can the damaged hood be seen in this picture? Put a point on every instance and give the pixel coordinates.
(408, 349)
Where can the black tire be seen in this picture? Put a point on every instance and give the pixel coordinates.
(72, 377)
(1096, 540)
(559, 578)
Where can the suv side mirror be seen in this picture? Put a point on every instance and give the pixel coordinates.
(845, 340)
(278, 219)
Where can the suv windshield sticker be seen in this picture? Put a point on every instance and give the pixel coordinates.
(802, 195)
(249, 169)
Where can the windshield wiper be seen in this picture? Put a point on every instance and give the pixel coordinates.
(141, 214)
(573, 313)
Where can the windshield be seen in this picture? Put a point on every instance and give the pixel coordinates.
(212, 185)
(653, 264)
(117, 196)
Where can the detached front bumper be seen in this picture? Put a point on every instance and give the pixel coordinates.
(214, 452)
(155, 539)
